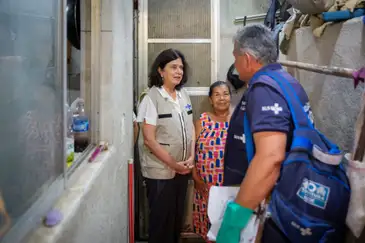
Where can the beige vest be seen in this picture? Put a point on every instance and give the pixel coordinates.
(174, 131)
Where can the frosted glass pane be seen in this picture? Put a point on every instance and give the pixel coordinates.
(179, 19)
(197, 56)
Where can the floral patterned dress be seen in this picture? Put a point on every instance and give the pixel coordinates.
(209, 161)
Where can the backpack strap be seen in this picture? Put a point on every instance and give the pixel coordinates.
(250, 148)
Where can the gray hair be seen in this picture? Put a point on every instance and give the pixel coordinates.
(258, 41)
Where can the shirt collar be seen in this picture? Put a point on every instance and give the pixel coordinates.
(268, 67)
(166, 95)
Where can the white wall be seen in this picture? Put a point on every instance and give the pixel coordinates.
(229, 9)
(334, 100)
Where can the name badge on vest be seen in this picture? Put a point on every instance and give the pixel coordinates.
(189, 109)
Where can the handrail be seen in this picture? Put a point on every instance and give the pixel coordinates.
(359, 151)
(335, 71)
(261, 16)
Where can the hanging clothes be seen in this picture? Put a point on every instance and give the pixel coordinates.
(315, 21)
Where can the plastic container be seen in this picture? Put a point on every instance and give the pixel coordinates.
(80, 126)
(70, 140)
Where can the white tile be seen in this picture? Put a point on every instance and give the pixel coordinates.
(106, 15)
(85, 11)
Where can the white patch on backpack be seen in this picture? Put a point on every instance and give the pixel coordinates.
(303, 231)
(314, 193)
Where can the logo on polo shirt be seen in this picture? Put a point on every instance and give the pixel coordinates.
(276, 108)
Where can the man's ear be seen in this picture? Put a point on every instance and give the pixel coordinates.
(249, 59)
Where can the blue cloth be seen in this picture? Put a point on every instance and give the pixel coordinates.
(270, 18)
(342, 15)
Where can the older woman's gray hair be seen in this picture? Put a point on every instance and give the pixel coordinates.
(258, 41)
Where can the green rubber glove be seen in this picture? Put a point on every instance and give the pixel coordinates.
(234, 221)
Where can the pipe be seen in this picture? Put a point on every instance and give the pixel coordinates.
(261, 16)
(131, 199)
(335, 71)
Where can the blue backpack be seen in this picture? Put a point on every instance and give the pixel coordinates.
(310, 200)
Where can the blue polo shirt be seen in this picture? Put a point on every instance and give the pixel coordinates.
(267, 110)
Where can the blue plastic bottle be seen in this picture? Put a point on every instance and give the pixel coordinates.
(80, 127)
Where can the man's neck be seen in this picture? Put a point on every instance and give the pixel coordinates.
(255, 68)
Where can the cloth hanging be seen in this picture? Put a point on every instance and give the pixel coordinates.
(359, 126)
(355, 170)
(317, 24)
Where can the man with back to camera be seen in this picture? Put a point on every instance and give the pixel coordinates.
(271, 125)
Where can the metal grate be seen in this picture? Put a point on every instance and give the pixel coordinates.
(179, 19)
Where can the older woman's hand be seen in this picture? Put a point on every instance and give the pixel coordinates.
(182, 168)
(201, 186)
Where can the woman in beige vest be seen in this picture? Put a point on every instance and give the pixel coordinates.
(166, 145)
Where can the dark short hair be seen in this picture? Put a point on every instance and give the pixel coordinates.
(216, 84)
(161, 60)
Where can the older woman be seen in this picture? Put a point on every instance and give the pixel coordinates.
(211, 133)
(167, 152)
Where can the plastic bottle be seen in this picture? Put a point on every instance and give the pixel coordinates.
(80, 125)
(70, 141)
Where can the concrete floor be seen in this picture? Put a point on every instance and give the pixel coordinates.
(182, 241)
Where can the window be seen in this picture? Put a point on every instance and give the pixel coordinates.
(32, 107)
(30, 103)
(78, 113)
